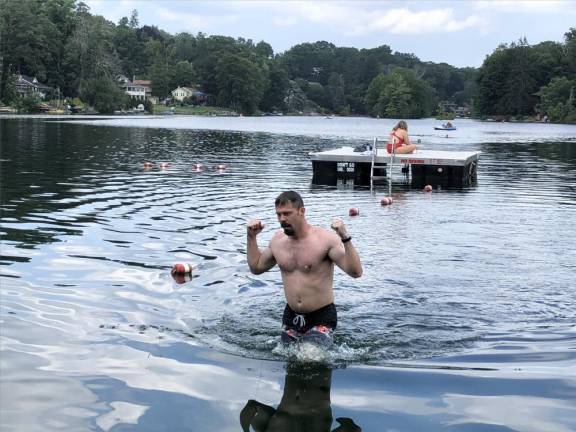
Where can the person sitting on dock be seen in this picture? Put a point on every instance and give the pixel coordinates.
(306, 255)
(399, 141)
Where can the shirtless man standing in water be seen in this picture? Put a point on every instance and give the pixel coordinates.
(306, 255)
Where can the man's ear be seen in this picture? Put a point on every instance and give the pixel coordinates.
(302, 211)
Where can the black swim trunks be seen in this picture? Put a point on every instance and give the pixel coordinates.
(316, 327)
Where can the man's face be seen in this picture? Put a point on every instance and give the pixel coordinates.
(289, 217)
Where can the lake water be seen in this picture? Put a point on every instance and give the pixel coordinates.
(464, 320)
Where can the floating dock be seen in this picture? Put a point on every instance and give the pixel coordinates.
(447, 168)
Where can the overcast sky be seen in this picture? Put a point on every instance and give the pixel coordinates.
(461, 33)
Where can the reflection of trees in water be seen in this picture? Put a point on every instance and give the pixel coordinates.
(564, 151)
(305, 405)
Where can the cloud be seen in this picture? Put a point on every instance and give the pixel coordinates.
(112, 11)
(194, 22)
(404, 21)
(525, 6)
(285, 21)
(361, 18)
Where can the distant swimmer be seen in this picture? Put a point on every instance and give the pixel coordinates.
(306, 255)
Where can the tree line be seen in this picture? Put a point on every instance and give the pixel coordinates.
(66, 47)
(519, 80)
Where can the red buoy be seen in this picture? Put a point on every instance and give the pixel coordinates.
(197, 167)
(385, 201)
(353, 212)
(181, 268)
(148, 165)
(181, 278)
(164, 165)
(427, 188)
(220, 167)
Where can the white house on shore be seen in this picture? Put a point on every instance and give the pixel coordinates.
(26, 85)
(135, 91)
(182, 93)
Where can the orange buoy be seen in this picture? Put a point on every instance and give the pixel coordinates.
(181, 268)
(353, 212)
(428, 188)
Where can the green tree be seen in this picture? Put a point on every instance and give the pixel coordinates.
(90, 54)
(103, 94)
(395, 99)
(184, 47)
(336, 91)
(558, 100)
(311, 61)
(520, 83)
(400, 94)
(492, 82)
(274, 97)
(160, 73)
(25, 40)
(129, 48)
(183, 74)
(10, 95)
(240, 83)
(264, 50)
(570, 47)
(296, 99)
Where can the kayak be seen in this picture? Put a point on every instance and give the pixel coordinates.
(444, 128)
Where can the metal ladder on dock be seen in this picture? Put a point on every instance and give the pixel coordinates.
(380, 145)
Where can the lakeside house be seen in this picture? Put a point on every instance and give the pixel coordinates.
(135, 91)
(458, 111)
(147, 84)
(182, 93)
(26, 85)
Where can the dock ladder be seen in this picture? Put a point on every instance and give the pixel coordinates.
(376, 146)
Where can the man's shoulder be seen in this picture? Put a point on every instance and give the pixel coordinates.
(323, 233)
(278, 236)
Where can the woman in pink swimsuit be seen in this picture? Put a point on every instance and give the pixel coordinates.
(399, 140)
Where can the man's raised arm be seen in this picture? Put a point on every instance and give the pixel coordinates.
(258, 261)
(344, 255)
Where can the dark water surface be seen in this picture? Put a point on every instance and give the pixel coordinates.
(465, 318)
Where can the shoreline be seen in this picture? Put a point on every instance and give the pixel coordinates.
(236, 115)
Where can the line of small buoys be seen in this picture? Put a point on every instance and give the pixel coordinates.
(197, 167)
(386, 201)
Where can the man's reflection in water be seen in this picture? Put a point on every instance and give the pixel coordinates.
(305, 405)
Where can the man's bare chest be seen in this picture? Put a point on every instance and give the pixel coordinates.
(304, 257)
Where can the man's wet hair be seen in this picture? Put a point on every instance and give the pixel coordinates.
(289, 197)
